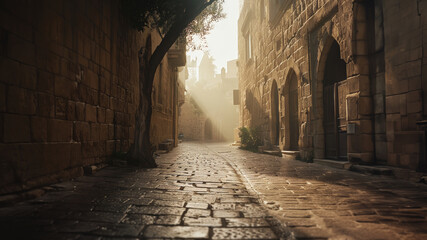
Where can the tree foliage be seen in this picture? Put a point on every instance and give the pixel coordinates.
(162, 14)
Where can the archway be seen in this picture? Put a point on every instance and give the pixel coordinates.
(208, 129)
(274, 114)
(335, 90)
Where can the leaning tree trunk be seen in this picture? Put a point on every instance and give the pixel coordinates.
(142, 151)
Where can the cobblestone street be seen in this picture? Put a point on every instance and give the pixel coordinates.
(316, 201)
(214, 191)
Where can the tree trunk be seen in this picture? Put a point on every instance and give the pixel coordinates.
(141, 151)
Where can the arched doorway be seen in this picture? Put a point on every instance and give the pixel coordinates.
(274, 114)
(293, 111)
(208, 129)
(335, 90)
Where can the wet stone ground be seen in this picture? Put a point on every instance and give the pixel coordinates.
(319, 202)
(193, 194)
(215, 191)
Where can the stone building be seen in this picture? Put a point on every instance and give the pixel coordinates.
(69, 75)
(336, 79)
(208, 112)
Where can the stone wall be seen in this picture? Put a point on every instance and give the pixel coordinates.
(379, 99)
(68, 88)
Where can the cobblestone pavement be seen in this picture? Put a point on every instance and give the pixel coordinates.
(319, 202)
(193, 194)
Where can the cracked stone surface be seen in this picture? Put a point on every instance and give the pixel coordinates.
(215, 191)
(193, 194)
(320, 202)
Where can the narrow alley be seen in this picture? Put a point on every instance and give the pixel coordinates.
(216, 191)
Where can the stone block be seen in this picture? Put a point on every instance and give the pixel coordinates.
(101, 115)
(365, 127)
(353, 143)
(71, 111)
(91, 79)
(60, 130)
(91, 113)
(103, 132)
(21, 50)
(402, 104)
(81, 131)
(109, 116)
(27, 77)
(65, 88)
(60, 107)
(38, 129)
(21, 101)
(80, 111)
(366, 143)
(16, 128)
(111, 134)
(365, 105)
(94, 132)
(2, 97)
(392, 104)
(379, 103)
(352, 106)
(45, 82)
(46, 105)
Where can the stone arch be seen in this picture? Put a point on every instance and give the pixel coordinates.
(290, 122)
(330, 138)
(274, 114)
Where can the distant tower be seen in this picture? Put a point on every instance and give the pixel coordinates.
(206, 69)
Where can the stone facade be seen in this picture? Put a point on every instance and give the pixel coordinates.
(339, 79)
(69, 75)
(208, 112)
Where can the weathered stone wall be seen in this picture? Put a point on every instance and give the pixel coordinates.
(191, 121)
(404, 53)
(68, 88)
(381, 97)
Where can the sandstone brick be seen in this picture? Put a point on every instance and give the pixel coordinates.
(103, 132)
(81, 131)
(94, 132)
(109, 116)
(60, 107)
(59, 130)
(16, 128)
(39, 129)
(91, 113)
(21, 101)
(46, 105)
(71, 110)
(91, 79)
(80, 111)
(393, 104)
(21, 50)
(111, 134)
(45, 82)
(2, 97)
(101, 115)
(65, 88)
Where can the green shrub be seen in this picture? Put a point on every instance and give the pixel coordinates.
(250, 138)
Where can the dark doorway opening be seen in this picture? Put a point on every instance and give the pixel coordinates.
(335, 90)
